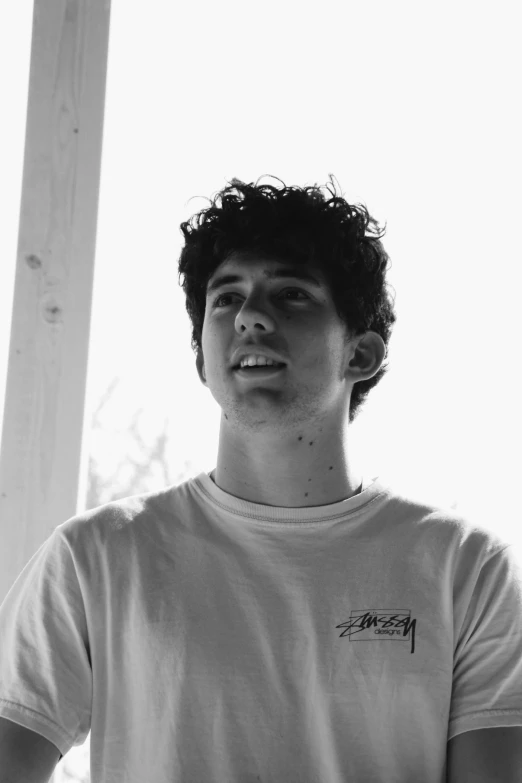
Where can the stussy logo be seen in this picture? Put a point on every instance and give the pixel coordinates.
(379, 624)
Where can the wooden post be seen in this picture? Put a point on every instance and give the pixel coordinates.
(40, 452)
(47, 368)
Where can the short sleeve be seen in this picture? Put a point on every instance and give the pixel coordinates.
(45, 666)
(487, 670)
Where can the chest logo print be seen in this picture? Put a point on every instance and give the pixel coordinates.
(371, 625)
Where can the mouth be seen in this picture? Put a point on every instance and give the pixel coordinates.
(259, 372)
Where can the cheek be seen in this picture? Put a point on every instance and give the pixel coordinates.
(210, 343)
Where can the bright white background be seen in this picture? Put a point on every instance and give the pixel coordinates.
(414, 107)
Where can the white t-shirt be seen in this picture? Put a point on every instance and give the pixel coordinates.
(202, 638)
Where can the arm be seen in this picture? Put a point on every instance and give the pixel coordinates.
(25, 756)
(486, 756)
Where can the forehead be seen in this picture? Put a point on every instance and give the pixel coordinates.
(248, 264)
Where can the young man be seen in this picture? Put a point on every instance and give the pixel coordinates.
(284, 429)
(286, 618)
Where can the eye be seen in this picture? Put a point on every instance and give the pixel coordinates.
(286, 290)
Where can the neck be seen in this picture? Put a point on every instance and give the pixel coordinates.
(310, 468)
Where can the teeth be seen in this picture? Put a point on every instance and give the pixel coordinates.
(261, 361)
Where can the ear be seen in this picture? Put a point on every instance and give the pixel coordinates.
(200, 367)
(370, 352)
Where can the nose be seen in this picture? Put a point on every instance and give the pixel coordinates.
(253, 316)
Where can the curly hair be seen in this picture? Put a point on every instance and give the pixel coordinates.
(301, 226)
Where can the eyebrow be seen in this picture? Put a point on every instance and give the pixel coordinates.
(297, 274)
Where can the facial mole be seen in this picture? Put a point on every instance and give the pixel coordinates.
(331, 467)
(300, 437)
(311, 443)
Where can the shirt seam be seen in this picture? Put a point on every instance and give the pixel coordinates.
(39, 716)
(271, 522)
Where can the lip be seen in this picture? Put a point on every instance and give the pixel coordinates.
(248, 350)
(259, 375)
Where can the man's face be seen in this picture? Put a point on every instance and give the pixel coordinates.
(295, 319)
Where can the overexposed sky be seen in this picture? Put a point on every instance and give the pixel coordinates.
(414, 108)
